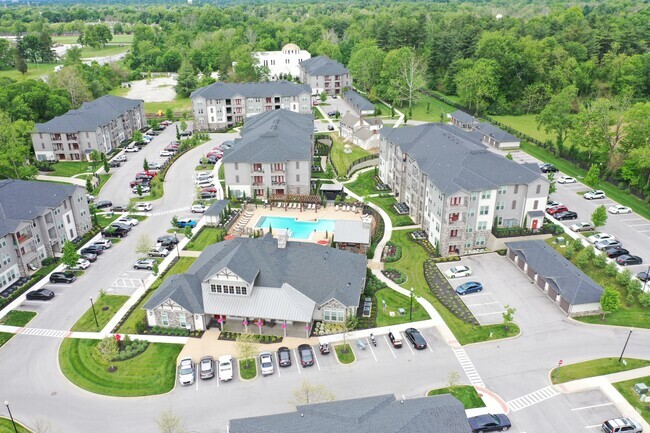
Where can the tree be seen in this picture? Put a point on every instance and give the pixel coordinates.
(178, 133)
(557, 116)
(309, 393)
(20, 64)
(188, 232)
(73, 57)
(186, 82)
(138, 189)
(169, 114)
(14, 150)
(593, 176)
(246, 346)
(508, 315)
(137, 136)
(70, 255)
(183, 126)
(478, 85)
(610, 300)
(169, 423)
(453, 378)
(107, 168)
(599, 217)
(97, 36)
(323, 96)
(44, 426)
(145, 165)
(155, 269)
(365, 64)
(411, 78)
(108, 350)
(144, 244)
(551, 179)
(71, 79)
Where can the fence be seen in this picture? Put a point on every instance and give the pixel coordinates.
(362, 163)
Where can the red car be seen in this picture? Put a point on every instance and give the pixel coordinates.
(209, 189)
(557, 209)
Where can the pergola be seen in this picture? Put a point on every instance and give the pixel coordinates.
(281, 200)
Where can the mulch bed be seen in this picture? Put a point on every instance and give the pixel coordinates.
(443, 291)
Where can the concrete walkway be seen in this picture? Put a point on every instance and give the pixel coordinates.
(412, 227)
(73, 180)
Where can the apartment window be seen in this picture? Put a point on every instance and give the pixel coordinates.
(483, 210)
(535, 204)
(480, 241)
(503, 190)
(474, 196)
(298, 165)
(514, 204)
(213, 288)
(539, 189)
(469, 230)
(244, 290)
(472, 212)
(500, 205)
(164, 318)
(238, 290)
(67, 217)
(38, 239)
(516, 189)
(453, 233)
(499, 221)
(236, 166)
(485, 195)
(182, 320)
(333, 315)
(237, 179)
(482, 225)
(3, 243)
(297, 178)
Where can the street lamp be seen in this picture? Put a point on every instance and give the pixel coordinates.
(11, 417)
(626, 341)
(94, 313)
(178, 254)
(411, 306)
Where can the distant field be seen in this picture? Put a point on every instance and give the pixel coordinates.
(108, 50)
(526, 124)
(117, 39)
(181, 104)
(419, 110)
(33, 71)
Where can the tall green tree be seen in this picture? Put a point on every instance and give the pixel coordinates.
(186, 82)
(593, 176)
(558, 115)
(599, 216)
(478, 86)
(365, 64)
(14, 150)
(610, 300)
(70, 255)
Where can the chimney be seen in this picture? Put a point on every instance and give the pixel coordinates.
(283, 237)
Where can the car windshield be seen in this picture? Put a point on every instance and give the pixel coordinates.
(206, 365)
(224, 365)
(186, 370)
(306, 354)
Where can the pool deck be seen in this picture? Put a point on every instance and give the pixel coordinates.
(328, 212)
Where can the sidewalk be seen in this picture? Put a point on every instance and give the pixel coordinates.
(75, 181)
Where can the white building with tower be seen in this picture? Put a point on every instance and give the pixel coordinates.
(281, 63)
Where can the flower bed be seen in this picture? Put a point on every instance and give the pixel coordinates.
(443, 291)
(130, 348)
(392, 252)
(430, 249)
(394, 275)
(263, 339)
(445, 259)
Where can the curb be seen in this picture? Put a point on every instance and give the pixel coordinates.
(336, 355)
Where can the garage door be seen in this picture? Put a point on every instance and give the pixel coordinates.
(541, 283)
(564, 305)
(552, 294)
(511, 255)
(521, 263)
(531, 273)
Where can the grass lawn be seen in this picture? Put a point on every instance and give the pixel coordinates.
(221, 173)
(616, 194)
(18, 318)
(344, 353)
(108, 50)
(138, 314)
(34, 71)
(412, 265)
(103, 178)
(117, 39)
(208, 236)
(7, 427)
(343, 160)
(627, 390)
(248, 370)
(526, 124)
(419, 110)
(104, 220)
(152, 372)
(595, 367)
(317, 114)
(466, 394)
(394, 301)
(178, 104)
(69, 169)
(4, 337)
(105, 307)
(386, 203)
(365, 184)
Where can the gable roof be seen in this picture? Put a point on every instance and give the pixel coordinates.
(351, 231)
(274, 136)
(358, 102)
(455, 160)
(463, 117)
(350, 119)
(216, 208)
(498, 134)
(23, 200)
(323, 65)
(383, 413)
(570, 282)
(184, 289)
(90, 116)
(251, 90)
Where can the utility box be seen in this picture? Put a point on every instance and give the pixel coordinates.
(641, 389)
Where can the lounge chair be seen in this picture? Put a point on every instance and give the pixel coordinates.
(348, 208)
(336, 207)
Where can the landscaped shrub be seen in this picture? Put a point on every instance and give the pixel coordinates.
(634, 286)
(623, 278)
(600, 261)
(372, 284)
(49, 261)
(577, 245)
(444, 292)
(644, 299)
(393, 252)
(611, 270)
(502, 252)
(130, 349)
(568, 252)
(590, 253)
(583, 259)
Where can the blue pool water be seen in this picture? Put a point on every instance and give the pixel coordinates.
(299, 229)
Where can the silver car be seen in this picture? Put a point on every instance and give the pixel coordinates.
(206, 367)
(607, 243)
(186, 371)
(266, 363)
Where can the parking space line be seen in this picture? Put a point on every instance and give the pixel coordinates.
(592, 426)
(487, 314)
(484, 303)
(196, 378)
(642, 224)
(473, 295)
(408, 343)
(316, 359)
(295, 356)
(277, 363)
(373, 352)
(592, 406)
(391, 349)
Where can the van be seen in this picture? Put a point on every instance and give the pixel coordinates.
(395, 339)
(620, 425)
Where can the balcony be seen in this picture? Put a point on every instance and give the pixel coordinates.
(23, 237)
(278, 183)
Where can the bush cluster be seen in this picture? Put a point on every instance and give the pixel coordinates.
(130, 349)
(445, 259)
(264, 339)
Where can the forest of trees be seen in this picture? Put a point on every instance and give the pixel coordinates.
(584, 71)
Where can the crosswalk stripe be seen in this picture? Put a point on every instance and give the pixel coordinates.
(532, 398)
(44, 332)
(468, 367)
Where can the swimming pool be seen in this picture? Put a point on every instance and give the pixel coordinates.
(299, 229)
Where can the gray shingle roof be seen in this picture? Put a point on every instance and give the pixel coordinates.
(251, 90)
(497, 133)
(349, 119)
(463, 117)
(184, 289)
(216, 208)
(570, 282)
(455, 160)
(274, 136)
(90, 115)
(323, 65)
(358, 102)
(356, 232)
(22, 200)
(318, 272)
(380, 414)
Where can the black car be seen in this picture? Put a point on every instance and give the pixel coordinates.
(40, 295)
(416, 339)
(120, 208)
(63, 277)
(186, 134)
(114, 232)
(568, 215)
(167, 240)
(626, 260)
(153, 132)
(207, 195)
(306, 355)
(284, 357)
(103, 203)
(91, 257)
(489, 422)
(122, 226)
(114, 164)
(547, 168)
(98, 251)
(614, 252)
(643, 276)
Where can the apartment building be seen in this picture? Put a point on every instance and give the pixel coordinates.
(456, 187)
(486, 132)
(273, 156)
(36, 218)
(98, 125)
(325, 75)
(283, 63)
(223, 105)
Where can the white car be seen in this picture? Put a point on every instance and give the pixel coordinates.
(595, 194)
(198, 208)
(104, 243)
(90, 197)
(120, 158)
(617, 208)
(266, 363)
(186, 371)
(126, 220)
(158, 251)
(166, 153)
(599, 237)
(225, 368)
(204, 183)
(132, 149)
(81, 264)
(582, 227)
(143, 207)
(204, 175)
(458, 271)
(566, 179)
(143, 188)
(552, 203)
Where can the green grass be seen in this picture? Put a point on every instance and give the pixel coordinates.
(247, 370)
(7, 427)
(178, 104)
(69, 169)
(34, 72)
(138, 315)
(108, 50)
(394, 301)
(344, 353)
(464, 393)
(626, 389)
(526, 124)
(343, 160)
(103, 178)
(208, 236)
(419, 110)
(221, 173)
(317, 114)
(104, 220)
(105, 307)
(623, 197)
(117, 39)
(153, 372)
(4, 337)
(18, 318)
(411, 264)
(595, 367)
(386, 203)
(364, 184)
